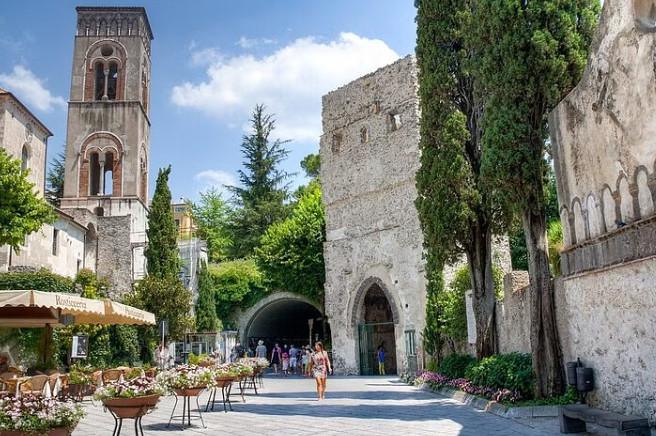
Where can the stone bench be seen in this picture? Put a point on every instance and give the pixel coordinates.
(574, 417)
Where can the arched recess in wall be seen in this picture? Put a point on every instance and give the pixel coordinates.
(608, 204)
(101, 154)
(594, 216)
(105, 71)
(579, 223)
(358, 299)
(626, 200)
(564, 220)
(645, 199)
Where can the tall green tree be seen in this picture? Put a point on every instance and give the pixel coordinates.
(211, 215)
(263, 187)
(162, 256)
(311, 164)
(238, 284)
(206, 319)
(22, 210)
(291, 251)
(532, 53)
(455, 208)
(55, 179)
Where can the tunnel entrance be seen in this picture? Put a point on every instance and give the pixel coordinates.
(285, 321)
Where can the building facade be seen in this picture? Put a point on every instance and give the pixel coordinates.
(193, 250)
(107, 140)
(60, 246)
(375, 285)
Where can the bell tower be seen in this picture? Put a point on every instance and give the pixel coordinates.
(108, 130)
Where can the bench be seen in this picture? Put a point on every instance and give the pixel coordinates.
(574, 417)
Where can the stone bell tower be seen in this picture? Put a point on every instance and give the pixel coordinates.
(107, 141)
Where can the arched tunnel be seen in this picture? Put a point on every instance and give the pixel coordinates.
(285, 321)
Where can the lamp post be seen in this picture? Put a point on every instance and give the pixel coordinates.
(310, 325)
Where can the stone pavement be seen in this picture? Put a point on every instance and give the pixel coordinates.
(353, 406)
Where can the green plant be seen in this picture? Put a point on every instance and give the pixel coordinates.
(206, 319)
(555, 237)
(197, 359)
(455, 365)
(42, 280)
(238, 284)
(504, 371)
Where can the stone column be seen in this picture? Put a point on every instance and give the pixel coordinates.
(106, 72)
(101, 173)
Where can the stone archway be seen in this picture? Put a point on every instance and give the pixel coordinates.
(374, 316)
(281, 317)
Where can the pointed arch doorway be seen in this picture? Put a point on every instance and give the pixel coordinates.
(376, 327)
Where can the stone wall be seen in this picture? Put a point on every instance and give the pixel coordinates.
(115, 252)
(370, 154)
(513, 314)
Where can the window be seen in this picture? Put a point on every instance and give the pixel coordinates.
(395, 122)
(410, 343)
(25, 159)
(112, 81)
(337, 143)
(364, 135)
(100, 81)
(106, 81)
(55, 241)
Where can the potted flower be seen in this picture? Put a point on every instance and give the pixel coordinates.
(187, 380)
(31, 415)
(80, 381)
(130, 398)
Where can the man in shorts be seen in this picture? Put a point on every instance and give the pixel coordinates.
(293, 358)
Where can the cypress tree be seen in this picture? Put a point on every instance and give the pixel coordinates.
(161, 253)
(532, 53)
(206, 319)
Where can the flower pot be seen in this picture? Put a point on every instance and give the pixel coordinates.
(189, 392)
(131, 407)
(57, 431)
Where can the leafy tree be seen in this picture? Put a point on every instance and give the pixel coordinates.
(291, 252)
(168, 299)
(55, 179)
(238, 284)
(161, 253)
(263, 190)
(455, 208)
(431, 336)
(532, 53)
(311, 164)
(22, 210)
(206, 319)
(211, 215)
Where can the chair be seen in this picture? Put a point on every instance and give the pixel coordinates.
(15, 370)
(34, 385)
(52, 381)
(111, 375)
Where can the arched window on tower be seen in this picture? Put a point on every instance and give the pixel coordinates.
(109, 174)
(100, 81)
(25, 159)
(112, 81)
(94, 174)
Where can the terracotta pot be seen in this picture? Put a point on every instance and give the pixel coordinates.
(189, 392)
(59, 431)
(131, 407)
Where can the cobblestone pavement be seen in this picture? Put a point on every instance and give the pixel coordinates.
(353, 406)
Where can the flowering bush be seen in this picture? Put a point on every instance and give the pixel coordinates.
(37, 415)
(435, 380)
(255, 362)
(228, 370)
(81, 374)
(186, 377)
(129, 388)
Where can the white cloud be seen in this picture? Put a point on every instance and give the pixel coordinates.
(29, 88)
(205, 56)
(216, 179)
(247, 43)
(290, 82)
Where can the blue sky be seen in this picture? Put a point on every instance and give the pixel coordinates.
(213, 60)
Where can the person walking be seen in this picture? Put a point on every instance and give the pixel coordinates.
(261, 349)
(293, 356)
(276, 357)
(305, 358)
(320, 367)
(380, 357)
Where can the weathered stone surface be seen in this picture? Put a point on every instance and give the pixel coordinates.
(115, 252)
(513, 314)
(603, 131)
(368, 163)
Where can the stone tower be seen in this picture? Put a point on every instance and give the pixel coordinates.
(107, 141)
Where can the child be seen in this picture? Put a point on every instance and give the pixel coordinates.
(306, 361)
(285, 363)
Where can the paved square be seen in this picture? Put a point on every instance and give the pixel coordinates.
(354, 406)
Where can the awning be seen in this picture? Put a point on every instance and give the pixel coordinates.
(117, 313)
(38, 309)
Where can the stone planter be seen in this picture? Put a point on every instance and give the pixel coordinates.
(131, 407)
(189, 392)
(58, 431)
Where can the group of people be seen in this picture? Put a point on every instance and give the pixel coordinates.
(303, 361)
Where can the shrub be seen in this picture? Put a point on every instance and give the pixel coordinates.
(455, 365)
(42, 280)
(511, 371)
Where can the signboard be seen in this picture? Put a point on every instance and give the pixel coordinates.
(80, 347)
